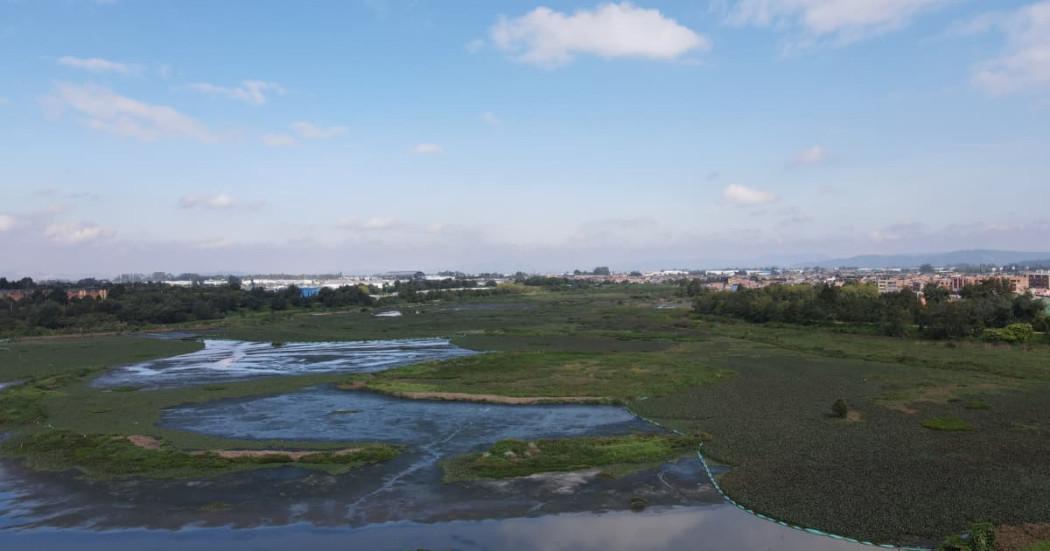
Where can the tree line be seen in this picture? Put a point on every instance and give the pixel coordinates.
(47, 308)
(981, 310)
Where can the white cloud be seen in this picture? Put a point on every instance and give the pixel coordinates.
(898, 232)
(94, 64)
(310, 131)
(427, 149)
(278, 140)
(102, 109)
(810, 156)
(71, 233)
(212, 243)
(490, 119)
(7, 222)
(1025, 63)
(549, 38)
(253, 92)
(743, 195)
(376, 224)
(841, 20)
(215, 201)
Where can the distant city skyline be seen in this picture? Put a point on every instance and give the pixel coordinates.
(361, 137)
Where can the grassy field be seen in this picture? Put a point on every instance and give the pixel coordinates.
(616, 456)
(617, 376)
(40, 358)
(937, 436)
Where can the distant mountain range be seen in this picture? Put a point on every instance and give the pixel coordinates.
(954, 258)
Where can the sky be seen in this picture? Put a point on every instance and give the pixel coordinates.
(303, 137)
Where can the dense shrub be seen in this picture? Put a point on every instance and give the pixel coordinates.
(1014, 333)
(989, 304)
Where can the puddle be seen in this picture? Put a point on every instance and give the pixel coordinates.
(226, 360)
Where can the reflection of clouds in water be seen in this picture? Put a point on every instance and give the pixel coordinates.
(707, 529)
(603, 532)
(222, 360)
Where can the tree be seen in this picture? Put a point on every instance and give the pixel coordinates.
(234, 283)
(601, 271)
(926, 269)
(935, 294)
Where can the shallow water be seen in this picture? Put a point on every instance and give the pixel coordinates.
(325, 413)
(225, 360)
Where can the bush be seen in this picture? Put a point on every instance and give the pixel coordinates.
(980, 538)
(840, 408)
(1015, 333)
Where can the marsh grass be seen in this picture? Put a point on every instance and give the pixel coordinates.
(619, 455)
(104, 456)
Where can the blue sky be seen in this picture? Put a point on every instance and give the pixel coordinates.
(356, 137)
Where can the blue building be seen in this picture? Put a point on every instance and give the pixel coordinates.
(308, 292)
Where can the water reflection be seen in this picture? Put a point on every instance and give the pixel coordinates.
(710, 528)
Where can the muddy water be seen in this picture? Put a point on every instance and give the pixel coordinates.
(226, 360)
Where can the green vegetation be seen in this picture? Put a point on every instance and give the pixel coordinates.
(616, 376)
(985, 306)
(981, 537)
(40, 358)
(947, 424)
(54, 408)
(617, 456)
(113, 456)
(1015, 333)
(840, 408)
(761, 391)
(48, 309)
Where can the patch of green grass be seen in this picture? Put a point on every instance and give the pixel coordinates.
(619, 454)
(38, 358)
(104, 456)
(617, 376)
(947, 424)
(1041, 546)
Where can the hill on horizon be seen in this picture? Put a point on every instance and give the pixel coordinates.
(952, 258)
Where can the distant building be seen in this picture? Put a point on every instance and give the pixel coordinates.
(307, 292)
(97, 294)
(888, 285)
(403, 275)
(1039, 281)
(14, 295)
